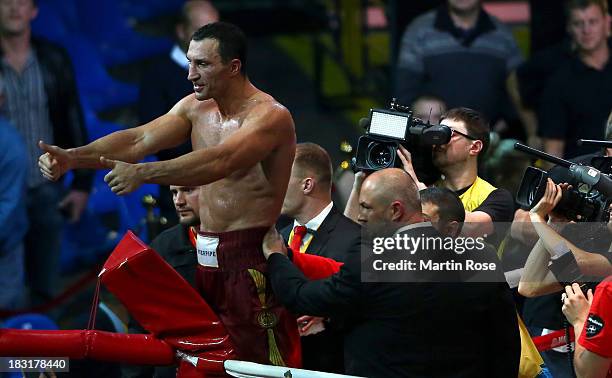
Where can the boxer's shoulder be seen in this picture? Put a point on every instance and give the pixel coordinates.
(190, 107)
(265, 110)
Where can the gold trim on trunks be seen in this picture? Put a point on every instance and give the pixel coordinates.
(266, 318)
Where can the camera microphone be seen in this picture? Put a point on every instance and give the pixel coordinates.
(364, 123)
(598, 143)
(592, 177)
(582, 173)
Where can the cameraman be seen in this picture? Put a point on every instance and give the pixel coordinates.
(521, 225)
(457, 160)
(542, 314)
(537, 278)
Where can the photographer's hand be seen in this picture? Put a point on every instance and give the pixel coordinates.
(576, 305)
(550, 199)
(537, 279)
(557, 220)
(576, 308)
(351, 210)
(406, 158)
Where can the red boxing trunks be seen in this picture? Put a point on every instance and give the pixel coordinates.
(231, 277)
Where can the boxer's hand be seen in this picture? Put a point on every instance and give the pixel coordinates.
(123, 178)
(54, 162)
(273, 243)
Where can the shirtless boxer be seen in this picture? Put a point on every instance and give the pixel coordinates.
(244, 145)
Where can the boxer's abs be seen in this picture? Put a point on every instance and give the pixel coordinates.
(237, 204)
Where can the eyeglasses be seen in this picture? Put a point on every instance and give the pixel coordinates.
(463, 135)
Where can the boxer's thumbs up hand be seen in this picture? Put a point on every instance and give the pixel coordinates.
(123, 178)
(54, 162)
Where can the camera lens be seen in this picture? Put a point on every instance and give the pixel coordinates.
(532, 187)
(380, 155)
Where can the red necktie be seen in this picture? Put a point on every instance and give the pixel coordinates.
(298, 236)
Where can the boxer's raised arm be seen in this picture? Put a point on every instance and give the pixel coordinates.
(128, 145)
(266, 130)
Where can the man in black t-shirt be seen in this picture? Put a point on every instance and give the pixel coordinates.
(486, 206)
(578, 96)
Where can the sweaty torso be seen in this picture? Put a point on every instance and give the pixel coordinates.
(250, 196)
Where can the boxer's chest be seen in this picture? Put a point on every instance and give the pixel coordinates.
(212, 130)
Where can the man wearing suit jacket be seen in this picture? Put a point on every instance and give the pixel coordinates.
(410, 328)
(328, 233)
(308, 201)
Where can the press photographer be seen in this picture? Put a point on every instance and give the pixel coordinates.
(521, 226)
(457, 161)
(541, 312)
(569, 262)
(587, 202)
(387, 130)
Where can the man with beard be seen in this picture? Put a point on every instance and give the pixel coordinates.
(484, 204)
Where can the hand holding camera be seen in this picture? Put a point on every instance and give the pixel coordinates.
(406, 158)
(575, 304)
(388, 132)
(550, 199)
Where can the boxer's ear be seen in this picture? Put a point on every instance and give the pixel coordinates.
(235, 66)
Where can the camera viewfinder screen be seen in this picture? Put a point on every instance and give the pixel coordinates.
(390, 125)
